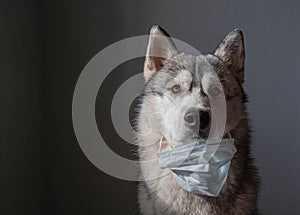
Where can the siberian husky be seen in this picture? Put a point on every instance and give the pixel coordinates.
(170, 76)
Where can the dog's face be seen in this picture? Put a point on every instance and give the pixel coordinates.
(181, 87)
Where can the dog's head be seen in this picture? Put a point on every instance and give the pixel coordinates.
(179, 87)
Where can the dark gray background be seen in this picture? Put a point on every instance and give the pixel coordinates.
(44, 45)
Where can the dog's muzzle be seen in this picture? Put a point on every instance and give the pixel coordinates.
(199, 120)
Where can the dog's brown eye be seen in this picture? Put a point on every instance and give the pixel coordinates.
(214, 91)
(176, 88)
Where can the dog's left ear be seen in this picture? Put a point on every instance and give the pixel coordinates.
(231, 50)
(160, 48)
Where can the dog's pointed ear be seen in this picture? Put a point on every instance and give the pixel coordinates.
(231, 50)
(160, 48)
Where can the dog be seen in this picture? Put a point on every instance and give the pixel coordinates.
(172, 80)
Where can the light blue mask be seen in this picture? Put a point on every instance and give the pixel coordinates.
(200, 167)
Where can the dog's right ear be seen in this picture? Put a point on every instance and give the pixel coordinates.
(160, 48)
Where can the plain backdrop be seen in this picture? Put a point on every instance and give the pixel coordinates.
(44, 45)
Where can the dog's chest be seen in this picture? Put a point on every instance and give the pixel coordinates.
(170, 198)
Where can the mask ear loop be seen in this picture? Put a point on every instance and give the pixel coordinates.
(160, 143)
(229, 135)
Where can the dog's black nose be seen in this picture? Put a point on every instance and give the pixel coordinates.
(204, 120)
(195, 118)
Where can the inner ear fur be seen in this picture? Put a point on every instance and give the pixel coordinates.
(160, 48)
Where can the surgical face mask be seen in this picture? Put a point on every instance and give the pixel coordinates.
(200, 167)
